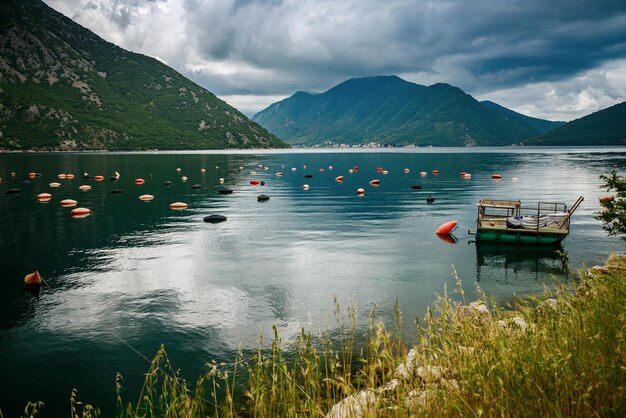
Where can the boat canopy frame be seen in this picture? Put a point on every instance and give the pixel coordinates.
(490, 210)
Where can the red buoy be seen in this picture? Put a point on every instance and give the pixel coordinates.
(435, 172)
(496, 176)
(379, 169)
(339, 179)
(254, 182)
(44, 197)
(98, 178)
(139, 181)
(68, 202)
(33, 279)
(446, 228)
(80, 211)
(375, 182)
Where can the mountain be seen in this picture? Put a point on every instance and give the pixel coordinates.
(64, 88)
(604, 127)
(541, 126)
(389, 110)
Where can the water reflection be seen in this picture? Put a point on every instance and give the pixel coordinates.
(503, 270)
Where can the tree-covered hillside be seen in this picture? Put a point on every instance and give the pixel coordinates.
(64, 88)
(389, 110)
(604, 127)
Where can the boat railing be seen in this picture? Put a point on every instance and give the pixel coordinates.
(554, 215)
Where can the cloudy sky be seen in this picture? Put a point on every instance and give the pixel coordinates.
(554, 59)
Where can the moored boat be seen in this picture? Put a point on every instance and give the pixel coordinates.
(507, 221)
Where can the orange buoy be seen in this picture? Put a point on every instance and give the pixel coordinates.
(496, 176)
(254, 182)
(146, 197)
(54, 184)
(68, 202)
(446, 228)
(44, 197)
(80, 211)
(178, 205)
(69, 176)
(13, 174)
(339, 179)
(435, 172)
(279, 174)
(32, 175)
(360, 191)
(84, 187)
(423, 173)
(98, 178)
(139, 181)
(61, 176)
(406, 170)
(33, 279)
(375, 182)
(305, 187)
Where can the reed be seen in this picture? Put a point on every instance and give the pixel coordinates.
(563, 354)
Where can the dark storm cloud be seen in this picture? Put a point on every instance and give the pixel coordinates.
(275, 47)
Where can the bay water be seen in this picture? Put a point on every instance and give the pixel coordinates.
(136, 274)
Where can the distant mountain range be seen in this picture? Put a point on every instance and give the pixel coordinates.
(388, 110)
(604, 127)
(64, 88)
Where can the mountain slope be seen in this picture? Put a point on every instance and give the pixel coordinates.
(604, 127)
(541, 126)
(64, 88)
(389, 110)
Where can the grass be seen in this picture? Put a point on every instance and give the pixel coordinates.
(563, 354)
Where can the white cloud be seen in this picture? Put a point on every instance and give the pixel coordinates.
(517, 50)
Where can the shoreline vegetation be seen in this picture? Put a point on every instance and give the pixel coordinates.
(561, 354)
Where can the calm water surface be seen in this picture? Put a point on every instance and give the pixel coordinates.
(150, 275)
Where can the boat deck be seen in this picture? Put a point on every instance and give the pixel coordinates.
(499, 224)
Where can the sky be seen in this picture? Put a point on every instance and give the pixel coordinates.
(552, 59)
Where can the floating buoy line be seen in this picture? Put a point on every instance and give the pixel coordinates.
(82, 211)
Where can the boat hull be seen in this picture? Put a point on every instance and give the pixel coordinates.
(518, 237)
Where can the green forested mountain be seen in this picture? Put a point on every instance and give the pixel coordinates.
(64, 88)
(541, 126)
(389, 110)
(604, 127)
